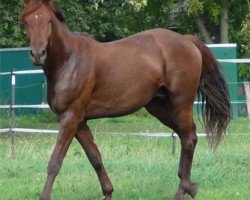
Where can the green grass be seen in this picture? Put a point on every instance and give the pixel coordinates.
(139, 167)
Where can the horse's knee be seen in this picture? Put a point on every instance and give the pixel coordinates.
(97, 165)
(189, 143)
(95, 159)
(191, 146)
(193, 142)
(53, 168)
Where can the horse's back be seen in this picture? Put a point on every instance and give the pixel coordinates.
(179, 60)
(168, 47)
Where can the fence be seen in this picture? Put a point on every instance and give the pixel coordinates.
(12, 107)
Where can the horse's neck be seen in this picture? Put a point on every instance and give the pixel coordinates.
(62, 52)
(62, 45)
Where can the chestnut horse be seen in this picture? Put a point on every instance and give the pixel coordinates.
(157, 69)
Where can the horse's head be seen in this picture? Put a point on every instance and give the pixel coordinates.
(37, 18)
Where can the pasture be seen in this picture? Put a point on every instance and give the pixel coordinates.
(139, 167)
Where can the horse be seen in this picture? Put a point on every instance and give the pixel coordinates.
(157, 69)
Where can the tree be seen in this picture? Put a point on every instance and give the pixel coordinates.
(104, 20)
(11, 35)
(211, 18)
(244, 70)
(214, 14)
(108, 20)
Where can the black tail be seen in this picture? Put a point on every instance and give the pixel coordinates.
(213, 92)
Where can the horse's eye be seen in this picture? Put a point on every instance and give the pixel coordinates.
(25, 24)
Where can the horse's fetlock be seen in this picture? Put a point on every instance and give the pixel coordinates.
(44, 196)
(107, 192)
(108, 189)
(190, 188)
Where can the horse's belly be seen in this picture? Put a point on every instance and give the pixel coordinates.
(120, 103)
(125, 87)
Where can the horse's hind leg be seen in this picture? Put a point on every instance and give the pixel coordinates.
(188, 137)
(179, 118)
(86, 139)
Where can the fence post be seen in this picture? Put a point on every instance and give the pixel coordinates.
(13, 113)
(173, 143)
(43, 92)
(247, 92)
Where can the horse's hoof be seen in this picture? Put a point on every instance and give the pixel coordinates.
(106, 197)
(179, 195)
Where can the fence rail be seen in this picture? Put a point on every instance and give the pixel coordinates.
(241, 61)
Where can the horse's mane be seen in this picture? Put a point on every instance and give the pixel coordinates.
(33, 6)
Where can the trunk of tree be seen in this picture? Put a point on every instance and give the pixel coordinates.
(202, 29)
(224, 25)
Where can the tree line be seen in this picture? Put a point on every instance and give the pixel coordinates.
(213, 21)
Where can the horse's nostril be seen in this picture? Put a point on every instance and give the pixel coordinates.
(43, 52)
(31, 53)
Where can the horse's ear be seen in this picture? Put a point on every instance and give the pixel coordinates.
(28, 1)
(47, 1)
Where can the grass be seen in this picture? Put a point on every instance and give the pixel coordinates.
(139, 122)
(139, 167)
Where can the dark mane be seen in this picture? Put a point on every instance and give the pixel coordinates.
(32, 7)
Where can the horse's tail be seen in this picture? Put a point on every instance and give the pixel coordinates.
(214, 95)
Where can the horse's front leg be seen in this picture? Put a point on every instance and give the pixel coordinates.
(68, 127)
(86, 139)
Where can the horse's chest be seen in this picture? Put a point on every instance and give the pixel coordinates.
(61, 96)
(65, 90)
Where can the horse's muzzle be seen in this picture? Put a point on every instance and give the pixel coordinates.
(38, 57)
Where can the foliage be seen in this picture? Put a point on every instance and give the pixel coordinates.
(240, 26)
(245, 35)
(101, 20)
(11, 35)
(210, 12)
(205, 7)
(110, 20)
(244, 70)
(137, 4)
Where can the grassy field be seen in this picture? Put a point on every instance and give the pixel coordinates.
(141, 168)
(136, 123)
